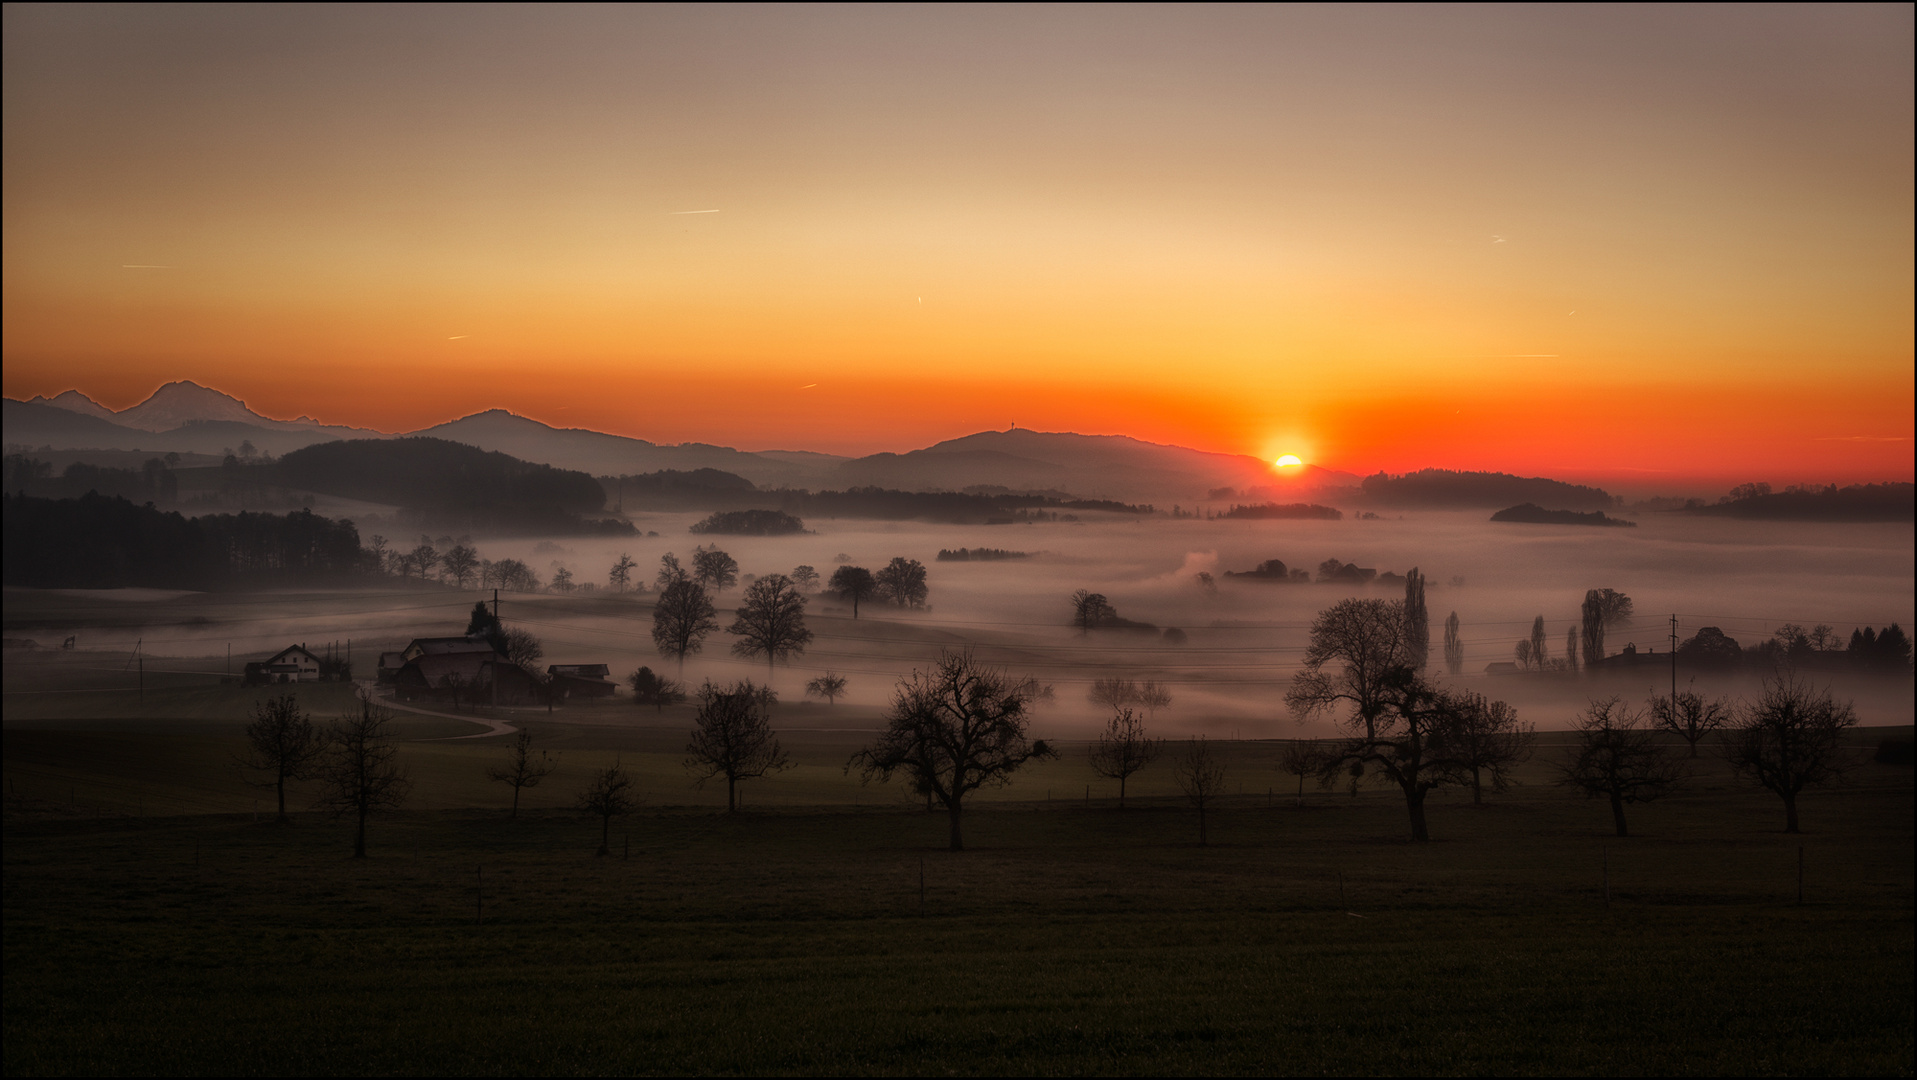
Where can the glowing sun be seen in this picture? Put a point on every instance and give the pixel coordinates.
(1288, 461)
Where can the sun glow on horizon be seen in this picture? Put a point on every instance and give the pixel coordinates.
(1288, 461)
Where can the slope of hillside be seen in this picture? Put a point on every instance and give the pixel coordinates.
(612, 455)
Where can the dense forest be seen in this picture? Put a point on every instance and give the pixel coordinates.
(1533, 514)
(1284, 512)
(1437, 489)
(451, 485)
(751, 523)
(1859, 502)
(154, 482)
(97, 542)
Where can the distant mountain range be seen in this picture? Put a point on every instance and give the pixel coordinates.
(189, 418)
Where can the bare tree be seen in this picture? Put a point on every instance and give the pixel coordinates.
(1115, 693)
(1301, 758)
(1486, 739)
(806, 578)
(562, 579)
(669, 572)
(902, 583)
(1123, 748)
(954, 729)
(732, 737)
(654, 690)
(1453, 646)
(424, 558)
(1790, 738)
(1409, 740)
(515, 576)
(1361, 642)
(461, 562)
(607, 797)
(1617, 756)
(1615, 610)
(715, 568)
(522, 769)
(377, 545)
(1201, 776)
(1417, 621)
(772, 622)
(829, 686)
(854, 583)
(1571, 649)
(1690, 716)
(620, 576)
(522, 649)
(282, 742)
(681, 619)
(359, 770)
(1091, 610)
(1522, 651)
(1540, 645)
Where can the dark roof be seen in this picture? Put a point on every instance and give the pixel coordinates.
(291, 649)
(392, 659)
(467, 666)
(592, 671)
(443, 646)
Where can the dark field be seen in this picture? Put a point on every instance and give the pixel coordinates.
(151, 928)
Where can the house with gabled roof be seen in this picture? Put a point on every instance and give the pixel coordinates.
(581, 680)
(291, 664)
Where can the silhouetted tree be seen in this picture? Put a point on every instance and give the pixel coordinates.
(806, 578)
(1522, 651)
(608, 796)
(1485, 738)
(681, 619)
(1453, 646)
(562, 579)
(1790, 738)
(1690, 716)
(461, 562)
(1615, 609)
(1711, 649)
(522, 769)
(1617, 756)
(653, 690)
(424, 558)
(714, 568)
(1301, 758)
(1123, 748)
(669, 572)
(523, 650)
(853, 583)
(771, 623)
(1091, 610)
(359, 769)
(1361, 642)
(1540, 646)
(1571, 649)
(829, 686)
(377, 545)
(732, 737)
(1410, 739)
(282, 742)
(954, 729)
(620, 577)
(1417, 622)
(1591, 628)
(1201, 776)
(902, 583)
(515, 576)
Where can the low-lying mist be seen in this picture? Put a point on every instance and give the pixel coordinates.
(1243, 639)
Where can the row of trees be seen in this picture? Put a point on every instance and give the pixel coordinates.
(1360, 669)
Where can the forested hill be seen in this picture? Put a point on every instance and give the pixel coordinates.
(1859, 502)
(97, 542)
(1437, 489)
(449, 483)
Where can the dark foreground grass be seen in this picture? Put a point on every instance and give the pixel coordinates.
(1067, 941)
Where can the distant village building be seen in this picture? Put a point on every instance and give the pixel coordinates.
(580, 680)
(291, 664)
(389, 665)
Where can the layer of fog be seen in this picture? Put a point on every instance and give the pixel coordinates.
(1243, 641)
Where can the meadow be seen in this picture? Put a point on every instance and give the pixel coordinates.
(156, 921)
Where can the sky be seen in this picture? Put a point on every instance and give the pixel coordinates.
(1647, 242)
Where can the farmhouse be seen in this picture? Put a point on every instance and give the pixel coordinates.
(466, 676)
(291, 664)
(446, 646)
(580, 680)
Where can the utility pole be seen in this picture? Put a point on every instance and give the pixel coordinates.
(1673, 660)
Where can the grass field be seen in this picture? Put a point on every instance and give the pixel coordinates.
(154, 924)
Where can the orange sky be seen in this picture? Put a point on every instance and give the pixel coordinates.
(1593, 242)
